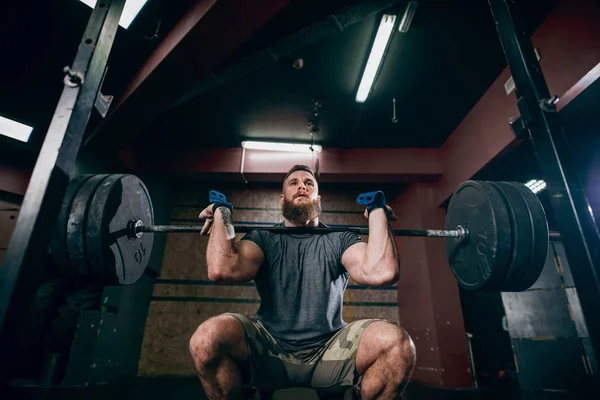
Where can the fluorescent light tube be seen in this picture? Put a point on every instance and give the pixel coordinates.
(130, 10)
(274, 146)
(384, 33)
(14, 129)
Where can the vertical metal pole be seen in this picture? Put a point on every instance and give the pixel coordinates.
(539, 117)
(24, 262)
(472, 360)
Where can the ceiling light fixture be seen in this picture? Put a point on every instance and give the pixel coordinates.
(275, 146)
(536, 185)
(15, 130)
(380, 45)
(130, 10)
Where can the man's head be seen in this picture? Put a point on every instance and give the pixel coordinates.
(300, 200)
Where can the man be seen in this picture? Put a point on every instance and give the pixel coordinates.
(297, 337)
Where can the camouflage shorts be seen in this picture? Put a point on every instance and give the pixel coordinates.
(330, 368)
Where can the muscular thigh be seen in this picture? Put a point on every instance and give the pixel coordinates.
(223, 335)
(336, 368)
(376, 340)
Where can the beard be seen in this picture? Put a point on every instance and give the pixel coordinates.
(301, 213)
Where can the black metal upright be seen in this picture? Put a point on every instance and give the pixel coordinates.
(23, 265)
(539, 117)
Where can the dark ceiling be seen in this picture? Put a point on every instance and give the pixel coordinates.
(40, 37)
(437, 72)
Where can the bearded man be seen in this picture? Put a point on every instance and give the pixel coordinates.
(298, 337)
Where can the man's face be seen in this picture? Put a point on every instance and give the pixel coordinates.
(300, 199)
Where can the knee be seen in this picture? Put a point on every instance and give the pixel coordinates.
(207, 342)
(398, 346)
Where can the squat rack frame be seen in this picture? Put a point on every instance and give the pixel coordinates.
(21, 271)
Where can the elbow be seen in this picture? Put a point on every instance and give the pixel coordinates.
(389, 275)
(216, 277)
(220, 269)
(216, 274)
(221, 279)
(388, 279)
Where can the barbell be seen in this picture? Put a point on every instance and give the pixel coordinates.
(496, 232)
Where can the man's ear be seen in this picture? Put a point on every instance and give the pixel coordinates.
(281, 199)
(319, 199)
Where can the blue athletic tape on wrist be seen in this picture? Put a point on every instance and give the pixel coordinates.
(372, 200)
(219, 200)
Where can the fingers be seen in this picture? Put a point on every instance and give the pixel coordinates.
(206, 229)
(389, 211)
(391, 215)
(207, 213)
(208, 216)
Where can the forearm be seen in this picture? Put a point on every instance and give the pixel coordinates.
(381, 260)
(221, 254)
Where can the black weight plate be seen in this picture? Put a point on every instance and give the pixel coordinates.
(76, 226)
(118, 200)
(539, 225)
(58, 245)
(522, 237)
(479, 262)
(94, 230)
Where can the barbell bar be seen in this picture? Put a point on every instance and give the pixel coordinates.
(136, 228)
(496, 233)
(460, 233)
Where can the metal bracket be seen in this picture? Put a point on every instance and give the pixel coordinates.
(103, 102)
(72, 78)
(549, 105)
(519, 125)
(524, 110)
(516, 124)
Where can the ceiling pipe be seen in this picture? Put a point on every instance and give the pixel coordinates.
(409, 14)
(335, 23)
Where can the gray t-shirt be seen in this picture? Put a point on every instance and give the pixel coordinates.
(301, 285)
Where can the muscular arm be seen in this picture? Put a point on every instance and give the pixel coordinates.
(228, 261)
(376, 262)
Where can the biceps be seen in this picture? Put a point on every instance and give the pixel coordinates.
(250, 259)
(353, 260)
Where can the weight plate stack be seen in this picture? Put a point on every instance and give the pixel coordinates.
(76, 226)
(58, 245)
(480, 261)
(540, 239)
(111, 253)
(522, 236)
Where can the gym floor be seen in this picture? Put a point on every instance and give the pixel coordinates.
(189, 388)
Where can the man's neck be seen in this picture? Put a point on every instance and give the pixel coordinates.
(312, 223)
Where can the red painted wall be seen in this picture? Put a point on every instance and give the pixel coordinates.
(335, 165)
(428, 299)
(14, 180)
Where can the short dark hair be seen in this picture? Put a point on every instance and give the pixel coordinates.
(295, 168)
